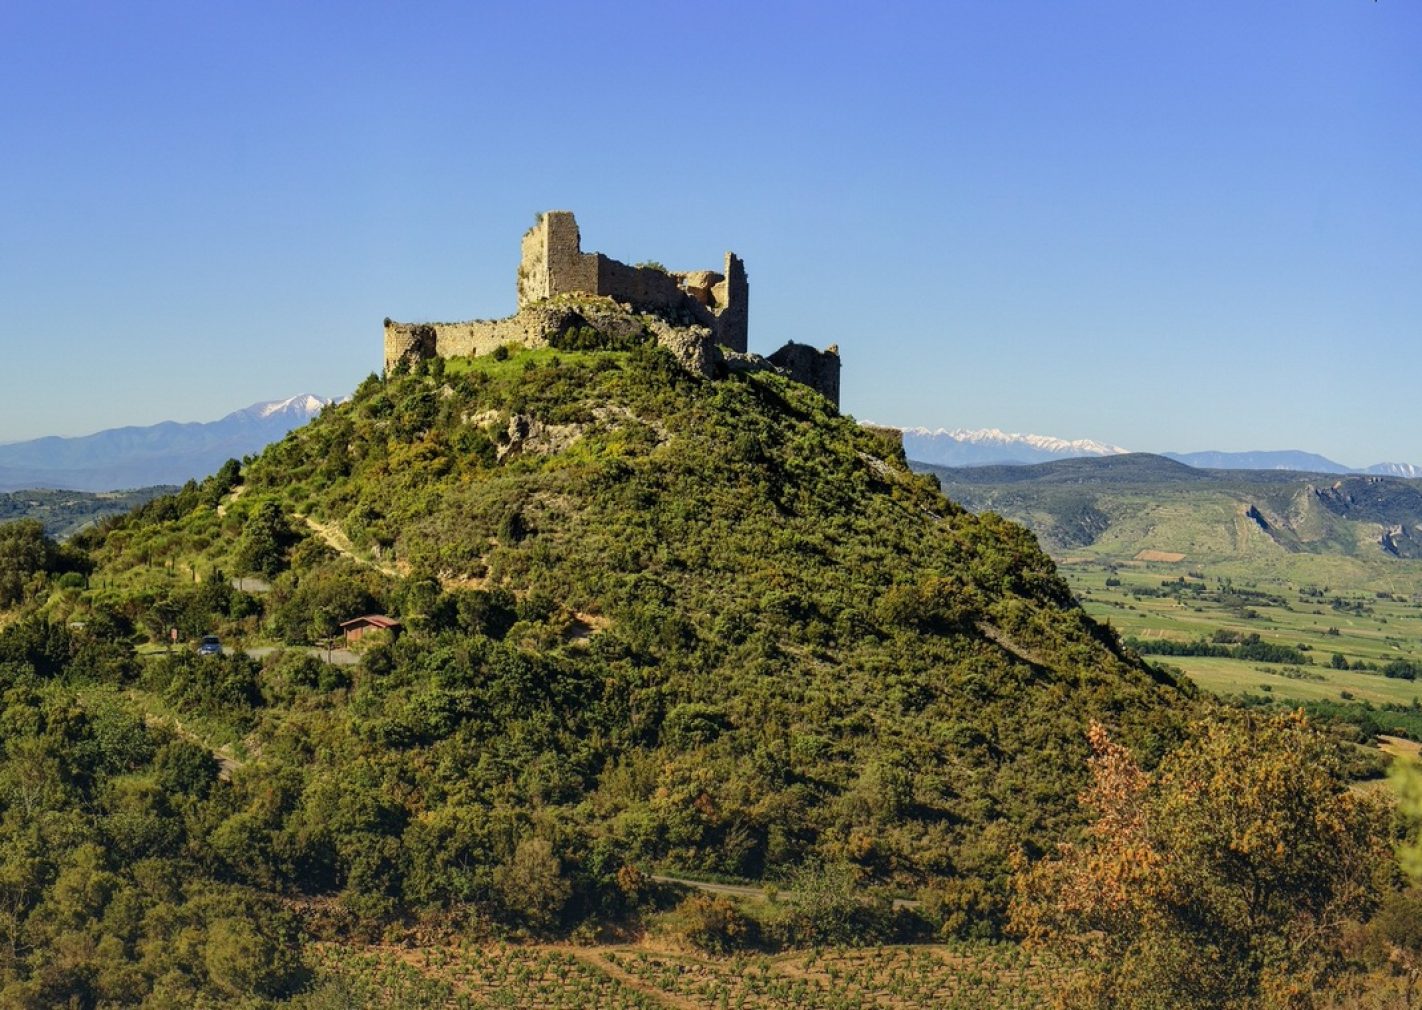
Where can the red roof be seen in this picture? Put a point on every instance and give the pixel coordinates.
(374, 620)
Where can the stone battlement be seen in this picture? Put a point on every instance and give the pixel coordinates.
(701, 315)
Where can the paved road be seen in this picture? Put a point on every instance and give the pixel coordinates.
(336, 657)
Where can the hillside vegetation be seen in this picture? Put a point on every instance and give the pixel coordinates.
(653, 623)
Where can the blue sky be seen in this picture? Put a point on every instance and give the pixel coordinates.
(1169, 226)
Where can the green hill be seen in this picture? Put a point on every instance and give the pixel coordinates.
(653, 623)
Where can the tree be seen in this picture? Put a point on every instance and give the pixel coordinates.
(531, 884)
(26, 556)
(1407, 784)
(1222, 880)
(1398, 929)
(265, 540)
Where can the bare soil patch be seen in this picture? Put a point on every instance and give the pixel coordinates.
(1167, 556)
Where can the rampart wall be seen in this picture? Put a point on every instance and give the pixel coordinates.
(450, 340)
(816, 369)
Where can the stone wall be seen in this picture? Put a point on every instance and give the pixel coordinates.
(732, 295)
(451, 340)
(533, 265)
(538, 325)
(408, 340)
(817, 369)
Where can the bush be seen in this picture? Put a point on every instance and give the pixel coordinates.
(265, 540)
(184, 768)
(825, 905)
(531, 885)
(711, 923)
(1400, 669)
(26, 556)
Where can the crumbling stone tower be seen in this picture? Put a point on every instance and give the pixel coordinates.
(701, 316)
(555, 264)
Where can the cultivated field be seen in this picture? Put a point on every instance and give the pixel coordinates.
(960, 977)
(1187, 601)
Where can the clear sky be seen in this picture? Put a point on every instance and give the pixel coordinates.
(1169, 226)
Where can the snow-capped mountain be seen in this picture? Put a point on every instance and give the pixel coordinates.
(990, 446)
(987, 446)
(299, 408)
(165, 453)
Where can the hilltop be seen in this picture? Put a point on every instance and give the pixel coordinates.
(733, 554)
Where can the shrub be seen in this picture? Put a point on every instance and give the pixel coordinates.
(711, 923)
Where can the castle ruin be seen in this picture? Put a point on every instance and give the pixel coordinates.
(555, 264)
(702, 316)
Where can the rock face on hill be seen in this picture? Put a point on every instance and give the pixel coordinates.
(1124, 504)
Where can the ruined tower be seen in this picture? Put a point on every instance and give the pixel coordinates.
(555, 264)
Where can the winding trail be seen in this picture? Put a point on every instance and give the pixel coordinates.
(341, 544)
(227, 761)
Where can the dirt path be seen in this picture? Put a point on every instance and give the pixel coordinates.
(236, 493)
(227, 761)
(1005, 642)
(336, 657)
(341, 544)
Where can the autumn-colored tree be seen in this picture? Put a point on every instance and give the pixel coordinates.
(1221, 880)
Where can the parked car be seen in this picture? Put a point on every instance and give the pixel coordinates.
(209, 646)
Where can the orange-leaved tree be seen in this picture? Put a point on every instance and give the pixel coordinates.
(1223, 879)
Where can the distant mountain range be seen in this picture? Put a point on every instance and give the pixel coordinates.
(991, 447)
(165, 453)
(1121, 505)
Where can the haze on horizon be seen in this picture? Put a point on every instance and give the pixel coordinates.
(1191, 228)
